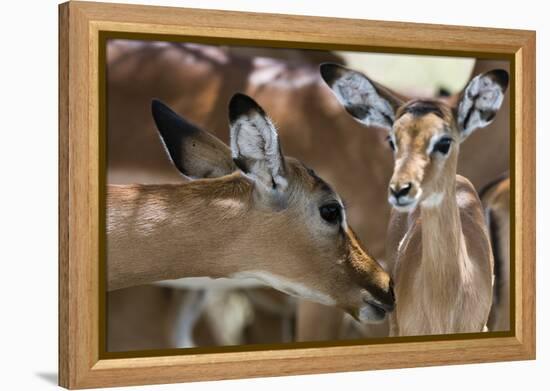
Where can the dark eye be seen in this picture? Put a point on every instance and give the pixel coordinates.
(331, 213)
(443, 146)
(390, 142)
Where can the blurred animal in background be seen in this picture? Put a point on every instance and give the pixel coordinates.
(496, 201)
(439, 249)
(251, 214)
(198, 81)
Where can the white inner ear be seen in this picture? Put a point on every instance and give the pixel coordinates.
(255, 138)
(484, 95)
(355, 91)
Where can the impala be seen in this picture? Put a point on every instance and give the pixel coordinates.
(252, 212)
(438, 245)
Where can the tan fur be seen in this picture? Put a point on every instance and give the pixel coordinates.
(217, 228)
(496, 201)
(440, 255)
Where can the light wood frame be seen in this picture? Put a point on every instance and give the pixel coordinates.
(81, 364)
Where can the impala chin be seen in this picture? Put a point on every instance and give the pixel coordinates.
(371, 313)
(375, 309)
(405, 204)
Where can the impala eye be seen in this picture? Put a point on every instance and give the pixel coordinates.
(443, 145)
(391, 143)
(331, 213)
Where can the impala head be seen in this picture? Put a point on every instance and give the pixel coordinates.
(293, 232)
(424, 134)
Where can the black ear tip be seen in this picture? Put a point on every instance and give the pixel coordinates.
(501, 77)
(168, 121)
(241, 104)
(156, 105)
(158, 108)
(330, 72)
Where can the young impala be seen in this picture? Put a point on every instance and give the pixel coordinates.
(438, 245)
(254, 213)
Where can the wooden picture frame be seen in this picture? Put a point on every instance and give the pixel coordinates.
(82, 28)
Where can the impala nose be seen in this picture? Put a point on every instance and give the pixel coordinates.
(400, 191)
(384, 300)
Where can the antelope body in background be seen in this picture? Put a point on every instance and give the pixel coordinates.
(495, 198)
(255, 214)
(438, 246)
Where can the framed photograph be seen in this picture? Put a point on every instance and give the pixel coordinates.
(246, 195)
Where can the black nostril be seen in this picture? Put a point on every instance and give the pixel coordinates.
(401, 191)
(392, 293)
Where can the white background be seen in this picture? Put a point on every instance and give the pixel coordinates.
(28, 191)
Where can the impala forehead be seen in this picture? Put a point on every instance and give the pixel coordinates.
(307, 179)
(315, 187)
(411, 132)
(326, 193)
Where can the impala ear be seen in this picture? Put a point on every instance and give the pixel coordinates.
(195, 152)
(480, 101)
(367, 101)
(255, 143)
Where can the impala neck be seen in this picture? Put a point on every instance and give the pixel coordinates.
(162, 232)
(441, 232)
(443, 244)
